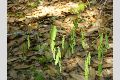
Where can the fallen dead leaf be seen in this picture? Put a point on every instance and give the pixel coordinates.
(77, 76)
(21, 66)
(92, 73)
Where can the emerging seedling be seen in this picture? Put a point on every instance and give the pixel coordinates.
(53, 36)
(106, 42)
(72, 40)
(75, 22)
(83, 40)
(58, 58)
(87, 63)
(100, 55)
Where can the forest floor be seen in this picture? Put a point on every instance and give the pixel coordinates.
(34, 18)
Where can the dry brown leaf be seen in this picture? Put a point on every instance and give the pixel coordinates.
(92, 73)
(77, 76)
(21, 66)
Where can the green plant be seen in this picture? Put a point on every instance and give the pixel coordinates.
(83, 40)
(24, 47)
(79, 8)
(64, 46)
(102, 47)
(87, 63)
(106, 42)
(37, 48)
(58, 58)
(38, 75)
(100, 54)
(75, 22)
(41, 59)
(53, 33)
(34, 4)
(72, 40)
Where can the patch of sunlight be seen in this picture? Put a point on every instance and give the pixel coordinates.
(54, 10)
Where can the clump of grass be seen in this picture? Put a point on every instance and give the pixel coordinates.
(53, 33)
(87, 63)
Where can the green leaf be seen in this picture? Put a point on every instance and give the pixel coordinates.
(53, 48)
(89, 58)
(36, 48)
(75, 22)
(52, 45)
(24, 47)
(83, 40)
(101, 39)
(99, 69)
(53, 32)
(38, 76)
(72, 40)
(86, 70)
(106, 42)
(81, 6)
(58, 56)
(87, 63)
